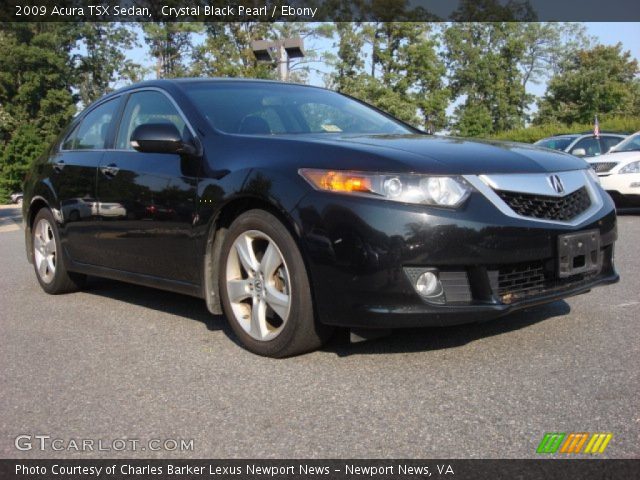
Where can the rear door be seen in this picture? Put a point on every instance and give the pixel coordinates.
(74, 180)
(147, 201)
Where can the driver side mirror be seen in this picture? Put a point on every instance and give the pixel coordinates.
(160, 138)
(579, 152)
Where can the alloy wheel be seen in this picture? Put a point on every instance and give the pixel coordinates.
(258, 285)
(44, 249)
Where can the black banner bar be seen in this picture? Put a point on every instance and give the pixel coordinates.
(318, 10)
(327, 469)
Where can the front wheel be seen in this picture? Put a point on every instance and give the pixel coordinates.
(265, 288)
(48, 260)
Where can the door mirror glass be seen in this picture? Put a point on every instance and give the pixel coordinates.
(579, 152)
(159, 138)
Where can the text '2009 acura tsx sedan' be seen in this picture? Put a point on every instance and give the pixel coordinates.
(294, 209)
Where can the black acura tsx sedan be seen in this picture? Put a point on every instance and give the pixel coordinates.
(294, 209)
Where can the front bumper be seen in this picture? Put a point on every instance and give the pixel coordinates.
(624, 188)
(358, 250)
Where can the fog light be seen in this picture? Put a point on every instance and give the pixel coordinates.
(428, 285)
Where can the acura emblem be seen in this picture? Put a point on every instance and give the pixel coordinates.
(556, 183)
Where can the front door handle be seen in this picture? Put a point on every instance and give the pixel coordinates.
(110, 170)
(58, 166)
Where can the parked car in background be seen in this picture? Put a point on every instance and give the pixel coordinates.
(619, 171)
(294, 209)
(16, 198)
(582, 145)
(74, 209)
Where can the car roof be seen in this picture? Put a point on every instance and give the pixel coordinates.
(563, 135)
(160, 83)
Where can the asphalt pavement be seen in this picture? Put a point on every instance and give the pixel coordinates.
(119, 362)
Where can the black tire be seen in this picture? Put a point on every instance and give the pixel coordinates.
(300, 332)
(61, 280)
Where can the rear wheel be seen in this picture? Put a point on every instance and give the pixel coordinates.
(48, 261)
(265, 288)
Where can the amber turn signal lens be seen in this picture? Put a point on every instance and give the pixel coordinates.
(337, 181)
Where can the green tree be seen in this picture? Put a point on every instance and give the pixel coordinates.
(36, 80)
(226, 51)
(483, 60)
(493, 64)
(170, 45)
(405, 74)
(102, 60)
(473, 119)
(546, 47)
(348, 63)
(601, 80)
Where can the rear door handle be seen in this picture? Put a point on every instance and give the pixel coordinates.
(110, 170)
(58, 166)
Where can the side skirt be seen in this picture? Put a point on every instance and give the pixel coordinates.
(138, 279)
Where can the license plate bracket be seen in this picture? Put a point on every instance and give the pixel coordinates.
(579, 253)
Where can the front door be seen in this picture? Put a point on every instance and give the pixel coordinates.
(147, 201)
(74, 169)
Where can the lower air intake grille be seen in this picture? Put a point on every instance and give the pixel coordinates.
(547, 207)
(603, 166)
(519, 281)
(512, 283)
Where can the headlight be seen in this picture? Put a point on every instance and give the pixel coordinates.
(414, 188)
(633, 167)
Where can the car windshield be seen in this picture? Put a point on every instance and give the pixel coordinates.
(556, 143)
(271, 108)
(629, 144)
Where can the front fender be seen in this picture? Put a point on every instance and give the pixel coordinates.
(42, 195)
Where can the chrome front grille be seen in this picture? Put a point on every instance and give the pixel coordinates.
(547, 207)
(602, 167)
(542, 197)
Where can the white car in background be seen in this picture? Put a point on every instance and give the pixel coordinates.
(583, 145)
(619, 171)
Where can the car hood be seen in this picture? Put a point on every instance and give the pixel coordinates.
(617, 157)
(438, 154)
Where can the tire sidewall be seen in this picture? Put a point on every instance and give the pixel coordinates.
(55, 285)
(301, 304)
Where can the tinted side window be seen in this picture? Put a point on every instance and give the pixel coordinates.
(147, 107)
(590, 145)
(92, 132)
